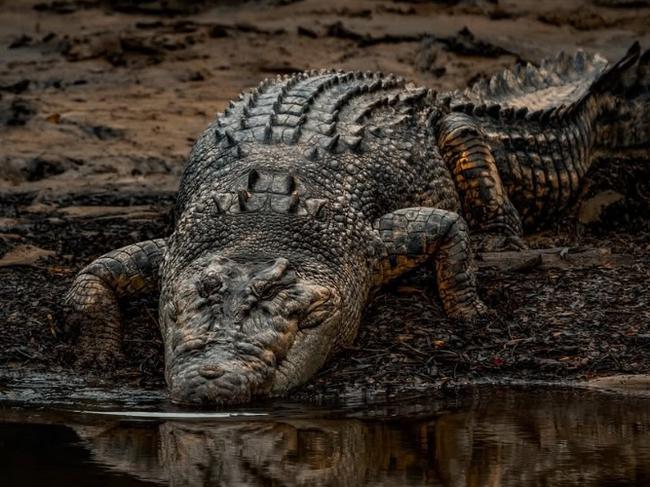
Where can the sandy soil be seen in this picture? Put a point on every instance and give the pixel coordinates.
(100, 102)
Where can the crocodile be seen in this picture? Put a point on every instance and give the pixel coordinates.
(312, 190)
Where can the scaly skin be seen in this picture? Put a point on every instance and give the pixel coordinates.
(313, 190)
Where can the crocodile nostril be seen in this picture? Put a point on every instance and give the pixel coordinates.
(211, 371)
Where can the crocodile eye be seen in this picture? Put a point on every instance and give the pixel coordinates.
(264, 291)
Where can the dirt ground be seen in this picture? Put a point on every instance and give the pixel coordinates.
(100, 102)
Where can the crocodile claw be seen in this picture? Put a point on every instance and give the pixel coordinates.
(498, 243)
(474, 311)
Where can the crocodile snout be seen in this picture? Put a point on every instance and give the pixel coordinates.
(238, 330)
(222, 384)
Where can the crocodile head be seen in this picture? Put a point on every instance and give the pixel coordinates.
(237, 328)
(253, 303)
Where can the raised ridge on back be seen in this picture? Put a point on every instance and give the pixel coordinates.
(326, 109)
(555, 90)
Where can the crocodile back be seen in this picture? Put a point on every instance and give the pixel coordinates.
(364, 136)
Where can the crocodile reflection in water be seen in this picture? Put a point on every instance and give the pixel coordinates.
(534, 440)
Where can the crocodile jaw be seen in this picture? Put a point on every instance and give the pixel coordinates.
(234, 331)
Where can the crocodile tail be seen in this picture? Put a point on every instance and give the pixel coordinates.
(598, 96)
(623, 91)
(612, 76)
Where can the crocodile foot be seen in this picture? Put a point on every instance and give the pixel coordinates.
(498, 243)
(97, 348)
(472, 311)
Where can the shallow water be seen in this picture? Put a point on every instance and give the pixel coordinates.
(492, 437)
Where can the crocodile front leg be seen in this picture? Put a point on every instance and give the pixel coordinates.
(412, 236)
(486, 205)
(92, 301)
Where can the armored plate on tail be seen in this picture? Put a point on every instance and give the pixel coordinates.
(313, 190)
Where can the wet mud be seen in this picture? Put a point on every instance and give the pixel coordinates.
(100, 102)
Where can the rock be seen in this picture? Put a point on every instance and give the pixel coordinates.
(591, 209)
(24, 255)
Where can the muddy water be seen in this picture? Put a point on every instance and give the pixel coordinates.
(493, 437)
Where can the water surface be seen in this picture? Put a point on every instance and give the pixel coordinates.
(494, 437)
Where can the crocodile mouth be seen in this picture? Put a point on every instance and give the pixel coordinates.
(213, 370)
(311, 348)
(240, 341)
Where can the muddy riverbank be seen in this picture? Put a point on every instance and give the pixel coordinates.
(101, 101)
